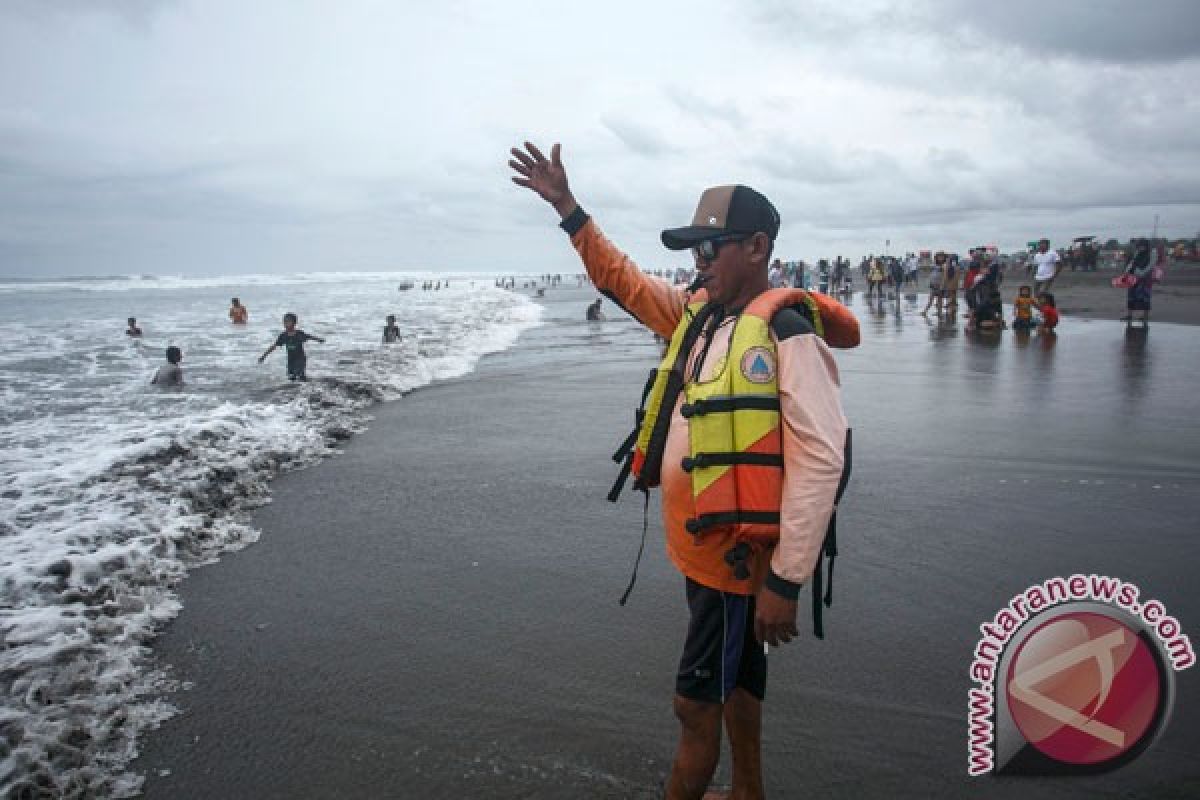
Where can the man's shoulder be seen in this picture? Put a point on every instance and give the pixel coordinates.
(791, 321)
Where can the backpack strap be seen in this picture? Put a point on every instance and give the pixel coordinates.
(829, 549)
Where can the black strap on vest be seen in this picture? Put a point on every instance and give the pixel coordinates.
(725, 404)
(624, 454)
(652, 467)
(698, 524)
(641, 548)
(829, 549)
(690, 463)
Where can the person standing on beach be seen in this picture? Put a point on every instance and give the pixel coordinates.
(936, 276)
(1141, 268)
(238, 313)
(950, 284)
(739, 598)
(1047, 266)
(292, 339)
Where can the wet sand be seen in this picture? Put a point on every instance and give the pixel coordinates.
(434, 612)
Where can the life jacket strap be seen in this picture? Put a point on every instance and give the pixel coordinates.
(736, 557)
(730, 459)
(717, 405)
(700, 523)
(651, 471)
(641, 548)
(624, 454)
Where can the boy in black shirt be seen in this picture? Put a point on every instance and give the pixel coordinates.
(293, 340)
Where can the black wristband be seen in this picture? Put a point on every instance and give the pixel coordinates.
(574, 221)
(781, 587)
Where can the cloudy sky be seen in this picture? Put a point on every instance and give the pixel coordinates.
(202, 136)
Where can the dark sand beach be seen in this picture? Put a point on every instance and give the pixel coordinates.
(433, 614)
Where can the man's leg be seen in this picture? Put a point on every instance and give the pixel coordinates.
(699, 748)
(743, 723)
(722, 675)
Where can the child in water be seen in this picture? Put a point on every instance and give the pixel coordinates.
(1023, 310)
(391, 331)
(238, 313)
(170, 374)
(293, 340)
(1049, 313)
(133, 329)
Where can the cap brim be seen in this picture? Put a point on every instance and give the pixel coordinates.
(683, 238)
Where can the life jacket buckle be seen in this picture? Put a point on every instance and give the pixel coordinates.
(737, 557)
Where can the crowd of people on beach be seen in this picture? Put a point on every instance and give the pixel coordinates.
(978, 277)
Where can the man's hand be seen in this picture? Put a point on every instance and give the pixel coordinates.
(774, 618)
(546, 177)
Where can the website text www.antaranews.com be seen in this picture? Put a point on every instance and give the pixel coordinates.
(1032, 601)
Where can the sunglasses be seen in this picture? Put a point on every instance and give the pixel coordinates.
(706, 251)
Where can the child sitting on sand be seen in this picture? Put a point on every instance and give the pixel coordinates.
(1023, 310)
(293, 340)
(1049, 309)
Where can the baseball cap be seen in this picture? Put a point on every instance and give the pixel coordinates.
(725, 209)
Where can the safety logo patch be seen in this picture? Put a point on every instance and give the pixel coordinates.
(758, 365)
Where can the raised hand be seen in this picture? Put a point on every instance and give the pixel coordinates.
(545, 176)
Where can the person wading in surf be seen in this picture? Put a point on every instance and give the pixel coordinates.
(740, 598)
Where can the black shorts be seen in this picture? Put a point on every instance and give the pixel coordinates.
(720, 653)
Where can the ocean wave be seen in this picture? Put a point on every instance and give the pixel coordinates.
(112, 492)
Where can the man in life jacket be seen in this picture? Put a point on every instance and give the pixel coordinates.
(745, 434)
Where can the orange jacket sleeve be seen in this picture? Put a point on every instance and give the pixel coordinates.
(814, 436)
(654, 302)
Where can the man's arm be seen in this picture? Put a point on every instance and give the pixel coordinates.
(814, 436)
(655, 303)
(270, 350)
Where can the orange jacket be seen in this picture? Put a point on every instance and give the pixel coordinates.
(814, 429)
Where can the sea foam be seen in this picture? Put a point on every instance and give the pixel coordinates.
(111, 490)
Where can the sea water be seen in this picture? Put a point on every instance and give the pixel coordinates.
(112, 489)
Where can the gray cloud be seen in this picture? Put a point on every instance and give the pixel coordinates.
(175, 136)
(638, 138)
(137, 14)
(705, 110)
(1116, 31)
